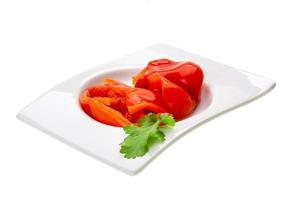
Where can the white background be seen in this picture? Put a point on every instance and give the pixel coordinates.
(250, 153)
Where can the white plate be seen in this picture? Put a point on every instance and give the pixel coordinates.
(58, 113)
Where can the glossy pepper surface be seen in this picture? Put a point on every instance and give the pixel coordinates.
(178, 83)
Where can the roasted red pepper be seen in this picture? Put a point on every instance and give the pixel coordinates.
(117, 104)
(162, 86)
(178, 83)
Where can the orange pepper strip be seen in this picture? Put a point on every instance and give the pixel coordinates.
(151, 107)
(107, 115)
(97, 108)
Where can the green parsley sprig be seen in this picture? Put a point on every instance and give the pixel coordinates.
(148, 132)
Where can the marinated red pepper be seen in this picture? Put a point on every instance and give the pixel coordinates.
(178, 83)
(163, 86)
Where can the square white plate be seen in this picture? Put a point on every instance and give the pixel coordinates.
(58, 113)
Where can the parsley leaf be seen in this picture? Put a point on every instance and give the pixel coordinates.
(148, 132)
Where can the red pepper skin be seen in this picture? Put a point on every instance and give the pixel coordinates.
(179, 84)
(117, 104)
(178, 100)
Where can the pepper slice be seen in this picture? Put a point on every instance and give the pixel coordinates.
(178, 100)
(117, 104)
(178, 83)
